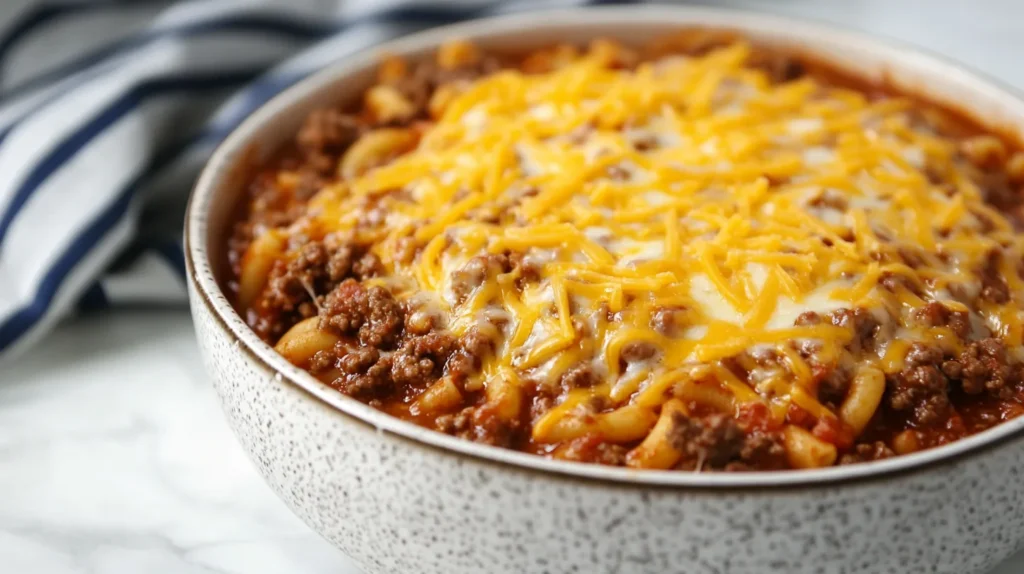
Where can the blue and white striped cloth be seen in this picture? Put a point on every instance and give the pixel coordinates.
(109, 109)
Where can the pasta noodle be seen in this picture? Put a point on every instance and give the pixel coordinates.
(440, 397)
(256, 264)
(304, 340)
(505, 397)
(804, 450)
(656, 451)
(864, 396)
(625, 424)
(377, 146)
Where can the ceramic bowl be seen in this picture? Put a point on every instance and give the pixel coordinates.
(398, 498)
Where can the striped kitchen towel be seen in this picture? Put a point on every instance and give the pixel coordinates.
(109, 109)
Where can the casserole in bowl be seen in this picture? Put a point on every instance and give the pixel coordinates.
(673, 393)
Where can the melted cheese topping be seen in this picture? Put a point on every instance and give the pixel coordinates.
(694, 185)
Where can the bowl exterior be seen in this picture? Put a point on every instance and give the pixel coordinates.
(396, 506)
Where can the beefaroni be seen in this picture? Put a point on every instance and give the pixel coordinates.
(699, 255)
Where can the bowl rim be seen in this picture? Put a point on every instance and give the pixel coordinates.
(206, 289)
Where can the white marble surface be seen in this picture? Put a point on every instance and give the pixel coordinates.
(114, 458)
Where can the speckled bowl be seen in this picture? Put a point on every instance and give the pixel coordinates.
(402, 499)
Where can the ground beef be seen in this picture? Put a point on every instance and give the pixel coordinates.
(427, 76)
(760, 451)
(476, 343)
(806, 348)
(764, 356)
(368, 265)
(669, 321)
(468, 355)
(475, 271)
(780, 68)
(357, 360)
(386, 359)
(322, 360)
(544, 400)
(310, 182)
(982, 366)
(935, 314)
(479, 424)
(580, 376)
(345, 309)
(997, 190)
(410, 369)
(529, 270)
(295, 289)
(921, 389)
(295, 282)
(807, 318)
(921, 355)
(634, 352)
(461, 365)
(867, 452)
(324, 135)
(993, 284)
(384, 320)
(290, 293)
(373, 382)
(863, 323)
(894, 282)
(406, 249)
(339, 265)
(371, 314)
(271, 206)
(593, 449)
(327, 130)
(456, 423)
(645, 142)
(910, 256)
(985, 223)
(787, 70)
(494, 431)
(374, 212)
(609, 454)
(833, 383)
(419, 360)
(706, 442)
(913, 257)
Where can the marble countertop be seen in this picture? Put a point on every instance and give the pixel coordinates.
(115, 459)
(114, 456)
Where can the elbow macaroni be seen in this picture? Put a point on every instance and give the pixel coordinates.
(303, 341)
(804, 450)
(863, 398)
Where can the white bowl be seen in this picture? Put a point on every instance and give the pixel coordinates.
(400, 498)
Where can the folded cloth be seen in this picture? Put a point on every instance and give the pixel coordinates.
(108, 111)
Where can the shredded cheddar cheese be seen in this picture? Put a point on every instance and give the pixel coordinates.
(691, 185)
